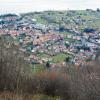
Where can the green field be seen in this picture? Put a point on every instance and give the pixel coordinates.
(88, 18)
(59, 57)
(37, 68)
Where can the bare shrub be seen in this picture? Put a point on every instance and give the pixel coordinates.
(52, 83)
(12, 66)
(70, 82)
(84, 83)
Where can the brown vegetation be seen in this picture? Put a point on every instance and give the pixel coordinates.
(70, 83)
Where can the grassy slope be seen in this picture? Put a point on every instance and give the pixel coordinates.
(68, 16)
(58, 58)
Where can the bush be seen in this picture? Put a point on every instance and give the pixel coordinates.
(52, 83)
(70, 83)
(12, 66)
(85, 83)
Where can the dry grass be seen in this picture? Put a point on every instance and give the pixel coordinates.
(13, 96)
(70, 83)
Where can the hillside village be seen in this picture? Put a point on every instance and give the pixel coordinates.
(54, 37)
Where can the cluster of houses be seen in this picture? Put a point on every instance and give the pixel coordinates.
(38, 38)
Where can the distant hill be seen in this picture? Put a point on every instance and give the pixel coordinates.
(78, 19)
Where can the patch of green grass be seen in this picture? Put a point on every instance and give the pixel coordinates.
(45, 97)
(97, 23)
(37, 68)
(69, 39)
(41, 55)
(60, 57)
(65, 32)
(40, 20)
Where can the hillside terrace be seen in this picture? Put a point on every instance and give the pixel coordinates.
(36, 37)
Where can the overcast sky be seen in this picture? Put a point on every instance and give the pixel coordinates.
(21, 6)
